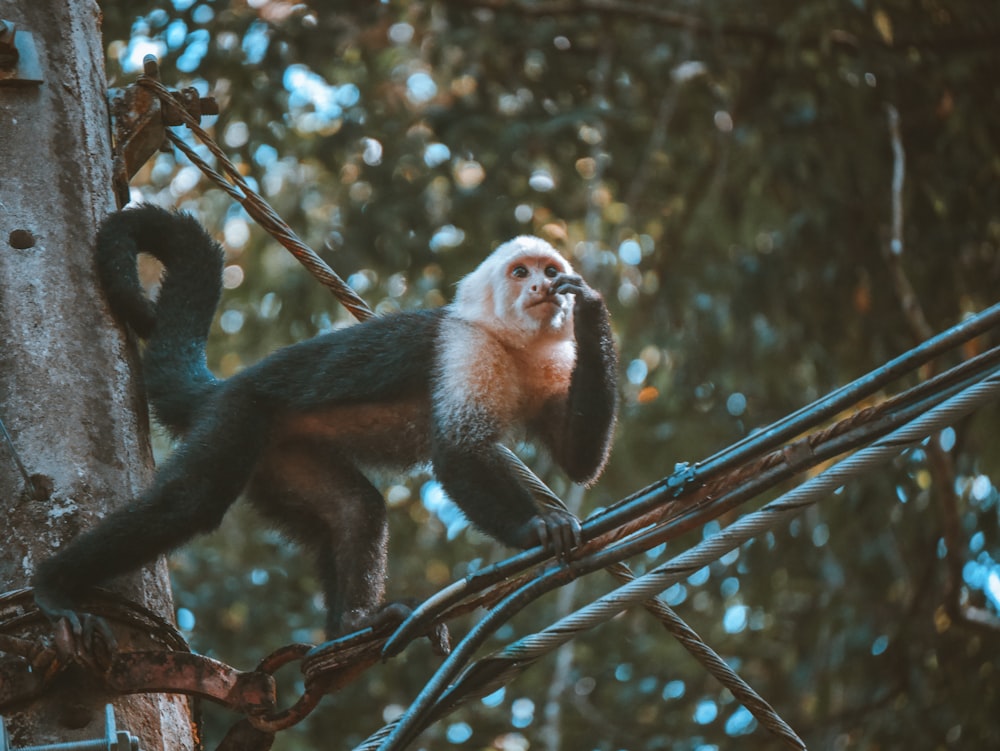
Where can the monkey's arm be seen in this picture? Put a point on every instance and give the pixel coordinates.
(488, 484)
(578, 429)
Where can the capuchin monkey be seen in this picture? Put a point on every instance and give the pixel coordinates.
(525, 349)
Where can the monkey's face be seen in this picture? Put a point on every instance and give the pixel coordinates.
(530, 293)
(511, 292)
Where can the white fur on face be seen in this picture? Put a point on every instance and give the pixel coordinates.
(517, 308)
(507, 344)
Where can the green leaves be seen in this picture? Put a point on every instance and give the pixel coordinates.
(726, 185)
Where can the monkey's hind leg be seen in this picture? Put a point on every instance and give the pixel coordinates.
(322, 501)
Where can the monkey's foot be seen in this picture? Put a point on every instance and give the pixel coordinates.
(390, 616)
(78, 634)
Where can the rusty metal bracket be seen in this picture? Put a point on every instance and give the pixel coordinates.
(19, 64)
(31, 660)
(251, 694)
(139, 122)
(155, 671)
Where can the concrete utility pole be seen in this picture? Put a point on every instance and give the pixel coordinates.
(77, 423)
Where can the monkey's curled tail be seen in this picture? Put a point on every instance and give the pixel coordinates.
(176, 326)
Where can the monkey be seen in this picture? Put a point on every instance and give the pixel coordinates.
(524, 350)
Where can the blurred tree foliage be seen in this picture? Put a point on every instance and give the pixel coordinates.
(723, 172)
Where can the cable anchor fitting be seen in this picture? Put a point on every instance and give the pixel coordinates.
(113, 740)
(139, 123)
(18, 57)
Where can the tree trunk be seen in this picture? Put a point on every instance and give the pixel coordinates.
(67, 396)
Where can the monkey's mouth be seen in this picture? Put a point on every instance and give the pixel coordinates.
(549, 299)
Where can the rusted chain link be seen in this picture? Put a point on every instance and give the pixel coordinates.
(33, 652)
(234, 184)
(276, 720)
(40, 651)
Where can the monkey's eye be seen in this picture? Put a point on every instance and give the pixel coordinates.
(551, 272)
(519, 272)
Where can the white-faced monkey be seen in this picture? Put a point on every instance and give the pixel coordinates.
(526, 346)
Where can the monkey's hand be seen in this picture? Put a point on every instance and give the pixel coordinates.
(557, 529)
(573, 284)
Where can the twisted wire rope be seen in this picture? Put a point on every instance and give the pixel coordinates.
(236, 186)
(775, 512)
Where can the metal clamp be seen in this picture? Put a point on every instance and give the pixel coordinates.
(113, 740)
(139, 122)
(19, 64)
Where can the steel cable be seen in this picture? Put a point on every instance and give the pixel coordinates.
(255, 205)
(664, 510)
(447, 682)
